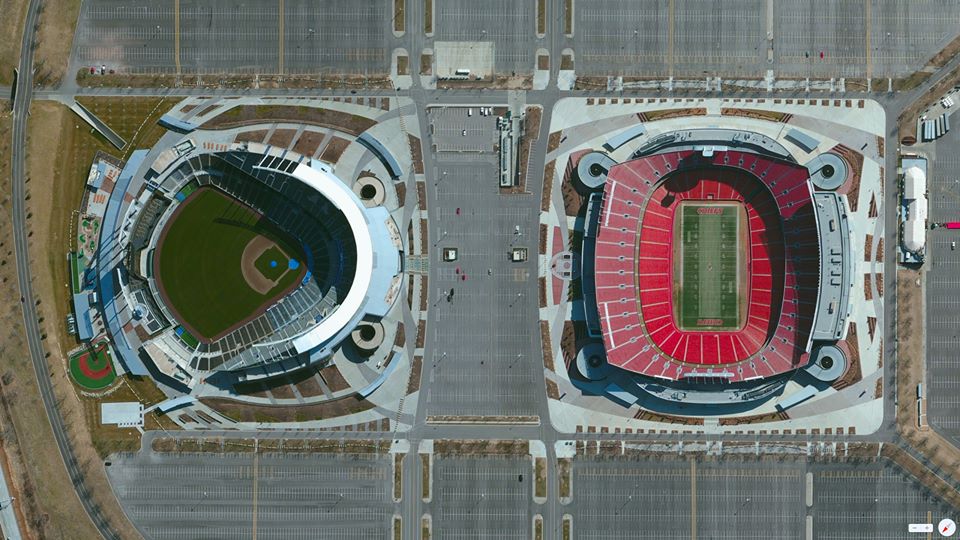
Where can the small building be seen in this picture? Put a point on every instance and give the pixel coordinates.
(123, 414)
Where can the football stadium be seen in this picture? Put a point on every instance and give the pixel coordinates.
(715, 266)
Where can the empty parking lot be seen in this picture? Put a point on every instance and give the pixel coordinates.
(482, 497)
(290, 497)
(221, 36)
(744, 498)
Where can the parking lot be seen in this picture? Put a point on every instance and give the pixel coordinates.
(942, 269)
(221, 36)
(484, 349)
(735, 498)
(289, 497)
(872, 502)
(462, 129)
(482, 497)
(730, 38)
(508, 24)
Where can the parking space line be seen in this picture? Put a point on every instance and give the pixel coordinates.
(671, 17)
(693, 475)
(867, 25)
(176, 34)
(281, 36)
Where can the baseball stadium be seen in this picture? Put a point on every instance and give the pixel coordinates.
(260, 262)
(234, 261)
(709, 257)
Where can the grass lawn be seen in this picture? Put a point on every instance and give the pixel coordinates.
(272, 263)
(710, 264)
(93, 370)
(199, 262)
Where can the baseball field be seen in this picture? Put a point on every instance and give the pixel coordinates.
(201, 265)
(711, 265)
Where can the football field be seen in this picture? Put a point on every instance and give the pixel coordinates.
(711, 264)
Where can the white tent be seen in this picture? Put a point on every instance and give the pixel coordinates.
(914, 183)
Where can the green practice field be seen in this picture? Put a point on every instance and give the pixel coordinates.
(199, 261)
(92, 368)
(710, 259)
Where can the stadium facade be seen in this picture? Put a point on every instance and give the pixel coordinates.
(793, 270)
(353, 253)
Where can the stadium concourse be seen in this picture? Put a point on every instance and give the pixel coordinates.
(717, 264)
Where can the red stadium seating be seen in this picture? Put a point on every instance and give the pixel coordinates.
(634, 251)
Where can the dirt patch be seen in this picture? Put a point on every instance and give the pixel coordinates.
(548, 173)
(754, 419)
(421, 332)
(425, 476)
(333, 379)
(880, 259)
(11, 32)
(867, 289)
(416, 153)
(568, 342)
(851, 348)
(771, 116)
(540, 477)
(547, 348)
(416, 369)
(422, 199)
(572, 200)
(446, 447)
(568, 17)
(282, 138)
(243, 115)
(56, 27)
(403, 65)
(543, 61)
(868, 248)
(334, 149)
(664, 114)
(566, 62)
(428, 16)
(564, 469)
(553, 391)
(667, 418)
(542, 285)
(553, 141)
(254, 136)
(401, 188)
(308, 143)
(247, 412)
(426, 63)
(851, 188)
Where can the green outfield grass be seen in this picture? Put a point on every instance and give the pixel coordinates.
(263, 263)
(710, 259)
(199, 262)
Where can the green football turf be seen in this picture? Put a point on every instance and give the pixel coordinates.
(263, 263)
(200, 262)
(710, 256)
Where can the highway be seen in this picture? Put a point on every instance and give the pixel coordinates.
(21, 110)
